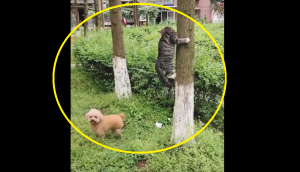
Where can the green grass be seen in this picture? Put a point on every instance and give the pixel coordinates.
(72, 57)
(139, 134)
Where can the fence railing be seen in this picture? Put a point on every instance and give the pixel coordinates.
(81, 1)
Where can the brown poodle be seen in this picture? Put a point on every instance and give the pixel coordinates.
(102, 124)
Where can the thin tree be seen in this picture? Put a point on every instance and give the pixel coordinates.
(135, 14)
(102, 14)
(76, 9)
(122, 82)
(97, 17)
(147, 18)
(183, 116)
(85, 17)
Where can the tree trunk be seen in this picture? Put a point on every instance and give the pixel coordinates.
(147, 16)
(183, 122)
(97, 17)
(122, 82)
(101, 15)
(135, 14)
(77, 13)
(85, 17)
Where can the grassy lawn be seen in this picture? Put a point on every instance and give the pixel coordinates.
(72, 58)
(139, 134)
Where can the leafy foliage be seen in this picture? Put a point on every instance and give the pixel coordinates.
(151, 11)
(94, 53)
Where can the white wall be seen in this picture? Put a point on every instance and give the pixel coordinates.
(216, 17)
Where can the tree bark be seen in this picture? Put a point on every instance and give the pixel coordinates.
(77, 13)
(97, 17)
(183, 116)
(135, 14)
(147, 16)
(85, 17)
(122, 82)
(101, 15)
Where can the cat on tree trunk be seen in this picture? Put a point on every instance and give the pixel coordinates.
(166, 51)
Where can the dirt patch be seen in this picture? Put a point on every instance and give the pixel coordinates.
(222, 130)
(141, 164)
(76, 167)
(73, 38)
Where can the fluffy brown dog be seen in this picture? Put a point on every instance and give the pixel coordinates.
(102, 124)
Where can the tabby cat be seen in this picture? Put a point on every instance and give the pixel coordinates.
(166, 50)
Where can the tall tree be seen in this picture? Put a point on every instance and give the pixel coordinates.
(122, 82)
(77, 14)
(85, 17)
(135, 14)
(97, 17)
(183, 116)
(102, 14)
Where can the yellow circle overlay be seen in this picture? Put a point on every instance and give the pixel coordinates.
(132, 152)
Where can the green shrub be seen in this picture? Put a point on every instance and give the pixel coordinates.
(94, 53)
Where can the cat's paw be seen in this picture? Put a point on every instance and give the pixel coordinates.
(171, 76)
(187, 40)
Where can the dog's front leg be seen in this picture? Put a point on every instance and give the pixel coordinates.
(119, 131)
(113, 133)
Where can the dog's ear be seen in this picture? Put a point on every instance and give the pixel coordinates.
(100, 116)
(87, 116)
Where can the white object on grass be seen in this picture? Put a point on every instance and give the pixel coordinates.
(158, 125)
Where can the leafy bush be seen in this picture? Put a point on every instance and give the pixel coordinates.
(94, 53)
(168, 22)
(152, 11)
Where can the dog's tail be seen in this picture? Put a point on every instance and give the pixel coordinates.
(122, 115)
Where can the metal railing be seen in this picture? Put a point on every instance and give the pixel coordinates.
(82, 1)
